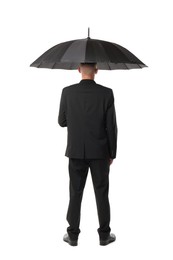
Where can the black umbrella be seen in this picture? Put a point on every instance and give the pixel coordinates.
(68, 55)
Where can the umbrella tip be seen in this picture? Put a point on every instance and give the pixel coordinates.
(88, 33)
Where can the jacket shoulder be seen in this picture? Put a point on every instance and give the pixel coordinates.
(70, 87)
(104, 88)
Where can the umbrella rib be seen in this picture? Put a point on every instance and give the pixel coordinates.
(39, 65)
(69, 47)
(105, 54)
(125, 54)
(109, 66)
(126, 66)
(53, 65)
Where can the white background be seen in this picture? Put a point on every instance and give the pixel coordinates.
(33, 168)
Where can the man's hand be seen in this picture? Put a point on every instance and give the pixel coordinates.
(110, 161)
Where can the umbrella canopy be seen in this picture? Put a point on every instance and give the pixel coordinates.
(68, 55)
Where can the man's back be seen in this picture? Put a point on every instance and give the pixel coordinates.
(87, 109)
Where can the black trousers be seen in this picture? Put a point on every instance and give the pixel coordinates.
(78, 170)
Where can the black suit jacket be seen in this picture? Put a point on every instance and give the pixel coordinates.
(87, 109)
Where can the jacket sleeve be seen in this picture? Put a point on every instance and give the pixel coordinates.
(62, 121)
(111, 127)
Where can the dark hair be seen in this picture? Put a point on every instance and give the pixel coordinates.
(89, 63)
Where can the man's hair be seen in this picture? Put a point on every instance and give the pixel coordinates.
(88, 68)
(89, 64)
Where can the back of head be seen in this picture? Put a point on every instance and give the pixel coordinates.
(88, 69)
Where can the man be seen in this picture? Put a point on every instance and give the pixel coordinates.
(87, 110)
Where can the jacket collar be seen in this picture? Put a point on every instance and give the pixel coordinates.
(87, 81)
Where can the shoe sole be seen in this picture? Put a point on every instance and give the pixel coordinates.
(103, 243)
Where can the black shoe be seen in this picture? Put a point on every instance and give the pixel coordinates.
(67, 239)
(111, 238)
